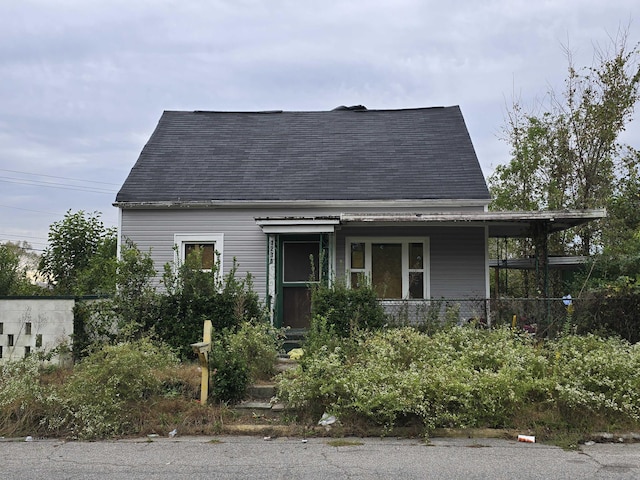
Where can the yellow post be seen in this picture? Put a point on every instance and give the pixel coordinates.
(514, 322)
(202, 349)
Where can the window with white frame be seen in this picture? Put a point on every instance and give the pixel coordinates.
(397, 267)
(209, 247)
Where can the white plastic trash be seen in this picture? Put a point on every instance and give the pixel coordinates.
(527, 438)
(327, 420)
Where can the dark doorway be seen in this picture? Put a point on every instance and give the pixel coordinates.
(299, 268)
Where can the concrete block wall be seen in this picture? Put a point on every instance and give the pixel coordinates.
(32, 325)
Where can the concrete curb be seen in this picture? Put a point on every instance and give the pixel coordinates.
(339, 431)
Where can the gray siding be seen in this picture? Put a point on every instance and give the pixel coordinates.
(457, 254)
(243, 240)
(458, 263)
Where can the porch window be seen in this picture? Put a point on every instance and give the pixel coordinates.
(396, 267)
(208, 246)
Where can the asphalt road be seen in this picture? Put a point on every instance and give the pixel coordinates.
(235, 457)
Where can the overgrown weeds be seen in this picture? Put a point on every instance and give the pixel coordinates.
(560, 391)
(128, 389)
(470, 378)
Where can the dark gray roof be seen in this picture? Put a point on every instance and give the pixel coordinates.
(344, 154)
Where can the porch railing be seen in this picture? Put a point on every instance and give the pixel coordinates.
(543, 316)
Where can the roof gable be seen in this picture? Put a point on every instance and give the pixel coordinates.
(345, 154)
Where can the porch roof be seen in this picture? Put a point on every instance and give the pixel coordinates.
(500, 224)
(298, 224)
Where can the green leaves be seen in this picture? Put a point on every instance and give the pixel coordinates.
(464, 377)
(568, 156)
(95, 400)
(15, 260)
(81, 256)
(347, 310)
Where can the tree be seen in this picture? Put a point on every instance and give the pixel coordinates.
(15, 261)
(130, 313)
(81, 256)
(569, 157)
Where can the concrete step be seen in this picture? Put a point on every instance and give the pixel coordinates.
(261, 391)
(260, 405)
(285, 363)
(294, 338)
(261, 397)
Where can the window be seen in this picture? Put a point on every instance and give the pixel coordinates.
(207, 252)
(209, 246)
(27, 328)
(10, 340)
(397, 267)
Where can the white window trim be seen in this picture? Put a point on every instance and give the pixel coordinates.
(181, 239)
(405, 241)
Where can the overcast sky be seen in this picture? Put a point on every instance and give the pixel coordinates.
(83, 82)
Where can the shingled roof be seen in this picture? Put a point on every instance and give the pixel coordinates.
(343, 154)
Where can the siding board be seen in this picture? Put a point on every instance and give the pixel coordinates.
(457, 253)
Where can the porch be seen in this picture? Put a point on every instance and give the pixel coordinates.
(428, 268)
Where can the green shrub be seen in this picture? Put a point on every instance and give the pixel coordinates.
(243, 356)
(466, 377)
(22, 396)
(96, 396)
(126, 315)
(229, 372)
(347, 309)
(176, 316)
(258, 343)
(321, 334)
(597, 374)
(194, 296)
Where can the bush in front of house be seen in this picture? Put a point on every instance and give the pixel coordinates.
(241, 357)
(347, 310)
(259, 344)
(466, 377)
(175, 315)
(245, 346)
(94, 400)
(98, 395)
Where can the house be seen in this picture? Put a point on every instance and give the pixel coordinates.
(397, 196)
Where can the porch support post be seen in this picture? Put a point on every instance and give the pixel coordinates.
(272, 248)
(540, 234)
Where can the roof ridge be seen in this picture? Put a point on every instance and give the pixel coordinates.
(341, 108)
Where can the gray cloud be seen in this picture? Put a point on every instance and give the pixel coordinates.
(85, 81)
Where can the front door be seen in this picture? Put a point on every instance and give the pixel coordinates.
(298, 269)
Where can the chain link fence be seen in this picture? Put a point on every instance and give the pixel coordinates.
(541, 316)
